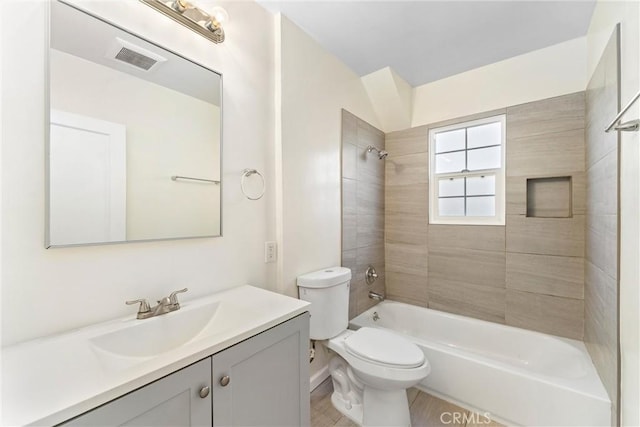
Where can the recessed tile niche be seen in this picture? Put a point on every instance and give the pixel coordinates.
(549, 197)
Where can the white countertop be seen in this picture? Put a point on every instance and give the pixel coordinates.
(50, 380)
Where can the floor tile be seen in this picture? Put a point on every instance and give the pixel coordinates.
(429, 411)
(426, 411)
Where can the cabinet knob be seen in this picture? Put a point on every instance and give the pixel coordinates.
(224, 381)
(204, 392)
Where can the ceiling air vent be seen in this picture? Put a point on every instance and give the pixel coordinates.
(131, 54)
(136, 59)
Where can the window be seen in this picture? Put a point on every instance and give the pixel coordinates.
(466, 172)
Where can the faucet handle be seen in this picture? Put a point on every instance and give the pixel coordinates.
(173, 297)
(144, 305)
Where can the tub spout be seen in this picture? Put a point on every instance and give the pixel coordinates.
(376, 296)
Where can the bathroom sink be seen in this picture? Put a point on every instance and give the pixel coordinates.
(151, 337)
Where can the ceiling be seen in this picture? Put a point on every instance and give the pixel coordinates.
(424, 41)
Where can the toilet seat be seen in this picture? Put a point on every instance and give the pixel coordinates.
(384, 348)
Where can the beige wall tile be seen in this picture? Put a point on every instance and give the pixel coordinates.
(601, 253)
(480, 302)
(516, 203)
(599, 143)
(546, 154)
(370, 167)
(516, 195)
(349, 128)
(490, 238)
(406, 258)
(546, 274)
(409, 169)
(472, 266)
(362, 207)
(364, 302)
(405, 228)
(602, 104)
(407, 288)
(469, 118)
(370, 229)
(546, 236)
(602, 186)
(369, 135)
(545, 313)
(349, 232)
(370, 198)
(349, 259)
(410, 199)
(601, 246)
(579, 193)
(600, 329)
(549, 197)
(349, 197)
(464, 268)
(409, 141)
(349, 161)
(551, 115)
(369, 255)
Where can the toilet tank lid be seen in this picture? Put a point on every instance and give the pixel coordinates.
(325, 278)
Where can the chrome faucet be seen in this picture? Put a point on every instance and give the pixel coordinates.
(165, 305)
(376, 296)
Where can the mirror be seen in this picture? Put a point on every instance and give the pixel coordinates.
(134, 143)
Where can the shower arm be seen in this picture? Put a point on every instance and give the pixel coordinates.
(381, 153)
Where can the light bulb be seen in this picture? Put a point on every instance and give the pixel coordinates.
(180, 5)
(219, 16)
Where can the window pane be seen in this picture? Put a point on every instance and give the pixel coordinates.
(451, 207)
(451, 187)
(481, 185)
(450, 162)
(450, 141)
(481, 136)
(484, 158)
(481, 206)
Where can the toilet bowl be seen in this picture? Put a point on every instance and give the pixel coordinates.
(370, 368)
(378, 368)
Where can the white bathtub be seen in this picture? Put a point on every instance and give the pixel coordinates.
(518, 376)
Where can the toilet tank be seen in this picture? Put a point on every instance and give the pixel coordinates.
(328, 292)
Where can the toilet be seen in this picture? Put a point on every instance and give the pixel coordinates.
(371, 368)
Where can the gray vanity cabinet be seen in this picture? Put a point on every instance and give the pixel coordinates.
(262, 381)
(170, 401)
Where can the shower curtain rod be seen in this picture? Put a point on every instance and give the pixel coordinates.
(633, 125)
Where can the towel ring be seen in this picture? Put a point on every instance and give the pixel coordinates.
(247, 173)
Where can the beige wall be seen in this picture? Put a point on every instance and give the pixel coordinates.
(73, 287)
(312, 87)
(556, 70)
(494, 272)
(362, 210)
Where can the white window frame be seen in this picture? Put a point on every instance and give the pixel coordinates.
(499, 218)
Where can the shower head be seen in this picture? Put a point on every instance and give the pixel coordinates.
(381, 153)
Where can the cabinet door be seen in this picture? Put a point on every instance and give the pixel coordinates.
(171, 401)
(268, 378)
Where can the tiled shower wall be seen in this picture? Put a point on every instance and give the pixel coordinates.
(601, 255)
(528, 273)
(362, 209)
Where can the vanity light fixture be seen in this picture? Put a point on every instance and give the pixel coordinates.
(206, 24)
